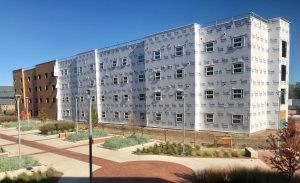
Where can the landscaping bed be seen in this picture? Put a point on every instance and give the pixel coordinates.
(84, 135)
(56, 128)
(25, 125)
(175, 149)
(14, 163)
(118, 142)
(240, 175)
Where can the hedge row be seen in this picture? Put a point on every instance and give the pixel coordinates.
(57, 127)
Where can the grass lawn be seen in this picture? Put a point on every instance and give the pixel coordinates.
(84, 135)
(13, 163)
(120, 142)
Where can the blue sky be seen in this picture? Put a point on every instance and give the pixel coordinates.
(34, 31)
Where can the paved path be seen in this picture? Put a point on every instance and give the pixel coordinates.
(133, 171)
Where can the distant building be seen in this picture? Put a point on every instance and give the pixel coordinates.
(230, 75)
(38, 86)
(7, 98)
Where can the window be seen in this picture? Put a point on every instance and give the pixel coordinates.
(178, 50)
(102, 98)
(28, 79)
(125, 79)
(282, 96)
(157, 95)
(116, 98)
(53, 87)
(41, 100)
(101, 65)
(92, 82)
(66, 72)
(142, 115)
(114, 63)
(115, 81)
(82, 114)
(46, 75)
(47, 100)
(46, 87)
(284, 49)
(238, 68)
(209, 118)
(75, 70)
(124, 61)
(157, 116)
(80, 69)
(93, 98)
(116, 115)
(39, 76)
(209, 47)
(142, 96)
(81, 98)
(126, 97)
(103, 114)
(179, 117)
(179, 73)
(29, 89)
(209, 94)
(53, 99)
(238, 93)
(126, 115)
(157, 75)
(179, 95)
(91, 67)
(40, 88)
(102, 82)
(80, 84)
(141, 78)
(209, 71)
(237, 119)
(67, 99)
(283, 72)
(156, 55)
(141, 58)
(237, 42)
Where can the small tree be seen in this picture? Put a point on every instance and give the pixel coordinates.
(286, 157)
(133, 124)
(42, 116)
(94, 117)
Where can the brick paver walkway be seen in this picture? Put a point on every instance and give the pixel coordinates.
(127, 172)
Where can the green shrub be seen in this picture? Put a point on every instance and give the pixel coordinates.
(2, 150)
(14, 163)
(83, 135)
(119, 142)
(9, 124)
(32, 125)
(240, 175)
(46, 177)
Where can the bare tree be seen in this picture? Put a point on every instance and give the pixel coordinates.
(286, 157)
(133, 124)
(42, 115)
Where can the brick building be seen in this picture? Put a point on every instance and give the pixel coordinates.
(38, 86)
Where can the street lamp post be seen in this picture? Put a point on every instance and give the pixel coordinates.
(17, 97)
(27, 101)
(90, 134)
(76, 113)
(184, 124)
